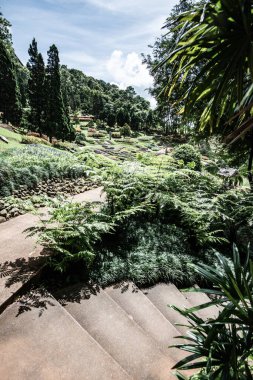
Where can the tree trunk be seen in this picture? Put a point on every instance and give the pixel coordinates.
(250, 175)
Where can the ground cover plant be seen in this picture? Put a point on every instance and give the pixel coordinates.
(32, 203)
(35, 163)
(162, 216)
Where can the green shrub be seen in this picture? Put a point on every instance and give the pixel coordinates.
(40, 172)
(222, 345)
(188, 154)
(25, 177)
(36, 163)
(95, 134)
(116, 135)
(65, 146)
(146, 253)
(125, 130)
(34, 140)
(71, 234)
(80, 139)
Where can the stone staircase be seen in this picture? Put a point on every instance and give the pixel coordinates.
(87, 333)
(83, 332)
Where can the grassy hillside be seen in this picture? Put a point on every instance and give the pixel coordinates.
(13, 138)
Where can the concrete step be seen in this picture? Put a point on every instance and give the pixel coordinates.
(51, 345)
(19, 254)
(147, 316)
(196, 299)
(119, 335)
(163, 295)
(94, 195)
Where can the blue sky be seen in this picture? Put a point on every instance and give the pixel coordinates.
(103, 38)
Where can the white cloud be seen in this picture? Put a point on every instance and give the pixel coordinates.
(100, 37)
(128, 70)
(152, 101)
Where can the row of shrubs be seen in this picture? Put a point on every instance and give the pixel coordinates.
(33, 164)
(34, 140)
(26, 139)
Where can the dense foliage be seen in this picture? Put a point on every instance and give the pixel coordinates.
(162, 215)
(168, 109)
(105, 101)
(14, 90)
(28, 166)
(214, 67)
(223, 347)
(171, 216)
(188, 154)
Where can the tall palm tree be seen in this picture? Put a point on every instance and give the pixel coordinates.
(217, 38)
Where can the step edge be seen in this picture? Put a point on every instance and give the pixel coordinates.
(156, 309)
(69, 315)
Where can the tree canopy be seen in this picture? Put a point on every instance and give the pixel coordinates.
(211, 69)
(36, 89)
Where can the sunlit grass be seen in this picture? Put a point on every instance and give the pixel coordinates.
(13, 138)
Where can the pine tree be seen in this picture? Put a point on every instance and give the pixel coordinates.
(57, 121)
(9, 91)
(123, 117)
(150, 119)
(36, 89)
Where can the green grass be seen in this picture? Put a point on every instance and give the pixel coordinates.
(13, 138)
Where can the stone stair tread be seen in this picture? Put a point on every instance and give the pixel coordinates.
(162, 295)
(51, 346)
(196, 299)
(147, 316)
(93, 195)
(18, 253)
(119, 335)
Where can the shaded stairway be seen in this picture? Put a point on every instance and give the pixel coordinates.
(93, 334)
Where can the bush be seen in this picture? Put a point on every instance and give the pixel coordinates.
(34, 164)
(116, 135)
(146, 254)
(125, 130)
(34, 140)
(188, 154)
(80, 139)
(72, 234)
(95, 134)
(65, 146)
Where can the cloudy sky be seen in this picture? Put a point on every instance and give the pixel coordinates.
(103, 38)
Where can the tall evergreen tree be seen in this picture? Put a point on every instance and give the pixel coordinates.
(36, 89)
(9, 88)
(150, 119)
(9, 92)
(122, 117)
(57, 121)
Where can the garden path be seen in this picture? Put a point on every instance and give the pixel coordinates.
(20, 255)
